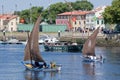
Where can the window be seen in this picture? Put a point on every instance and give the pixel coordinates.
(87, 20)
(11, 23)
(79, 22)
(11, 29)
(75, 22)
(92, 20)
(84, 22)
(102, 22)
(97, 21)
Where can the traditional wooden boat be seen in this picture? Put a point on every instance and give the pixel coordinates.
(89, 48)
(32, 53)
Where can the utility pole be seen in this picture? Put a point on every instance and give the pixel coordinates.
(30, 13)
(15, 9)
(2, 10)
(50, 19)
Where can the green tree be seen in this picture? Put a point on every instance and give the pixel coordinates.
(30, 15)
(108, 17)
(25, 14)
(35, 12)
(112, 13)
(82, 5)
(51, 12)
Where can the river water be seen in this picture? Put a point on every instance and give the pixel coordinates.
(73, 68)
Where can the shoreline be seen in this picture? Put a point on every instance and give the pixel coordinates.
(66, 36)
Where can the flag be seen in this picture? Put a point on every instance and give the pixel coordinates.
(73, 19)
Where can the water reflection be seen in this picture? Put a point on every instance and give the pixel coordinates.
(37, 75)
(89, 68)
(72, 66)
(33, 75)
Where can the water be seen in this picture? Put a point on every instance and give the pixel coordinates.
(73, 68)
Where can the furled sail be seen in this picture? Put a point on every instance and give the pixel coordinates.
(89, 45)
(32, 47)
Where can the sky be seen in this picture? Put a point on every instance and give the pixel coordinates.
(9, 6)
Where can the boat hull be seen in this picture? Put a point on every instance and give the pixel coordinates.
(48, 69)
(68, 48)
(94, 59)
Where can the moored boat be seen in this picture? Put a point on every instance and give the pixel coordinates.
(63, 46)
(11, 41)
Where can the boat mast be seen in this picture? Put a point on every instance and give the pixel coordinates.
(70, 19)
(29, 48)
(28, 34)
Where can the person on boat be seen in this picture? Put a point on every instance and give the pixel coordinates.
(38, 65)
(44, 65)
(52, 64)
(101, 57)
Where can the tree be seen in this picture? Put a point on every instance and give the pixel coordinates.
(25, 15)
(35, 12)
(82, 5)
(107, 15)
(112, 13)
(51, 12)
(30, 15)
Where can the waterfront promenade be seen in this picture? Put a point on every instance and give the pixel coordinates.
(108, 40)
(23, 35)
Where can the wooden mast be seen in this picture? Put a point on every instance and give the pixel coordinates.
(70, 21)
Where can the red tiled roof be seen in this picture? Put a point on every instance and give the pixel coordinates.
(7, 16)
(74, 13)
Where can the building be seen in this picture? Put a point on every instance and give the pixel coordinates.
(8, 22)
(90, 20)
(82, 19)
(74, 20)
(99, 18)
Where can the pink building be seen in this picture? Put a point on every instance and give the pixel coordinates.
(74, 19)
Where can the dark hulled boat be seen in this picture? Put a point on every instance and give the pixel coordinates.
(63, 46)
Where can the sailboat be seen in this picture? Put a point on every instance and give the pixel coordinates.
(89, 48)
(32, 52)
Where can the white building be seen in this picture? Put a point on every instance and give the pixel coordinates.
(90, 20)
(9, 22)
(94, 18)
(99, 18)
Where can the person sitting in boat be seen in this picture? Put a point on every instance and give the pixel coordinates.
(44, 65)
(52, 64)
(38, 65)
(100, 58)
